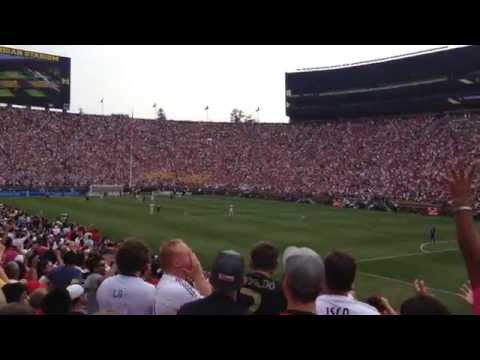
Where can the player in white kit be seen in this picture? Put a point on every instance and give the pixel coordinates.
(152, 207)
(230, 210)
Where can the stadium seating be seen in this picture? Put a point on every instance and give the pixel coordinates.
(398, 158)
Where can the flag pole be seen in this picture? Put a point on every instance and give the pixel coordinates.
(103, 112)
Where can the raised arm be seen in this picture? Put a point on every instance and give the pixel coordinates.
(462, 192)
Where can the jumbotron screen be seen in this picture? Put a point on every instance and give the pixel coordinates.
(34, 79)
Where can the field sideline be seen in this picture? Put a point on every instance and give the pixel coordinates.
(392, 249)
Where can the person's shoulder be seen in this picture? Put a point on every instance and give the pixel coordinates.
(109, 281)
(191, 308)
(363, 308)
(147, 286)
(175, 285)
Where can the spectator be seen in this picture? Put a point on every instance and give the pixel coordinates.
(340, 269)
(36, 299)
(423, 305)
(10, 252)
(462, 193)
(154, 273)
(15, 292)
(12, 271)
(226, 278)
(466, 293)
(303, 280)
(3, 301)
(63, 275)
(96, 266)
(77, 296)
(179, 263)
(382, 305)
(57, 302)
(16, 309)
(127, 293)
(262, 294)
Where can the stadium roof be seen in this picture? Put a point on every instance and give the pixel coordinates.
(374, 61)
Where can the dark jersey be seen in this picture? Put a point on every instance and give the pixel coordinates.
(214, 304)
(262, 295)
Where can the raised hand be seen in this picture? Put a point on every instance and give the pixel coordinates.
(420, 287)
(466, 293)
(460, 183)
(390, 309)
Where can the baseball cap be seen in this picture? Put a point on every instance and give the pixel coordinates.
(75, 291)
(227, 271)
(304, 268)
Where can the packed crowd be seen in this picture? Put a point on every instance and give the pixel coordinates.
(61, 268)
(395, 158)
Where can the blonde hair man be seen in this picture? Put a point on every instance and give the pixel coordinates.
(179, 264)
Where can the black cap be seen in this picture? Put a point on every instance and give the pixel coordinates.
(227, 271)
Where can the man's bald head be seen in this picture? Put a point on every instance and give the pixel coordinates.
(175, 257)
(36, 298)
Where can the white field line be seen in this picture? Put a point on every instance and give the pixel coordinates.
(424, 245)
(407, 283)
(422, 252)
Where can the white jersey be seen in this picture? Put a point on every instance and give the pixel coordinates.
(172, 293)
(127, 295)
(342, 305)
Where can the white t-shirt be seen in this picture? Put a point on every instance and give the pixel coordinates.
(127, 295)
(172, 293)
(342, 305)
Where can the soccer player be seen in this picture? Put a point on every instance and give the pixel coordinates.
(152, 207)
(157, 208)
(433, 234)
(230, 210)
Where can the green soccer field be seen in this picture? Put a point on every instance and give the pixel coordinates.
(392, 249)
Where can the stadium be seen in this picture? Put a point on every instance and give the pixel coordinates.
(361, 172)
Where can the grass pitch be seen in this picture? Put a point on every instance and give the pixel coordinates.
(392, 249)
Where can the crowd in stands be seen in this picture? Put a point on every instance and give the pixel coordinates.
(63, 268)
(398, 158)
(60, 267)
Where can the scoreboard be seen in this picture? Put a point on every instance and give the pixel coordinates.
(34, 79)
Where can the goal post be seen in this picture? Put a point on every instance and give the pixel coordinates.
(102, 190)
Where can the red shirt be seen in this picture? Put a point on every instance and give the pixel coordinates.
(154, 282)
(476, 300)
(9, 255)
(34, 285)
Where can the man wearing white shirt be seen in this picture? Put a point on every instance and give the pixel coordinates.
(340, 271)
(127, 293)
(179, 263)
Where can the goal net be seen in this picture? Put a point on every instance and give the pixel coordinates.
(108, 190)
